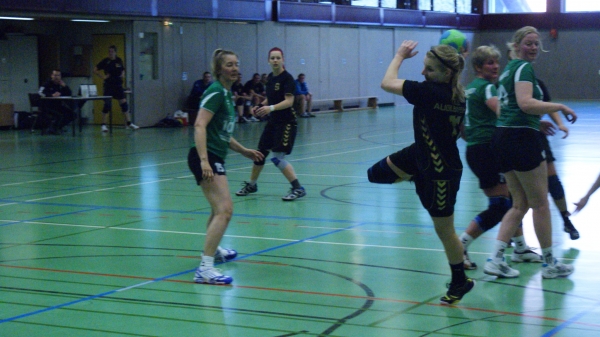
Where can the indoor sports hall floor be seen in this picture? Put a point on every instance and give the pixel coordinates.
(100, 235)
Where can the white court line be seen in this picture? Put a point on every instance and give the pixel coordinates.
(263, 238)
(182, 161)
(41, 180)
(98, 190)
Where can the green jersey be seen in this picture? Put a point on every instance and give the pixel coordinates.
(480, 121)
(219, 101)
(511, 115)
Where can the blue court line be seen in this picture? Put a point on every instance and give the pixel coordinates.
(569, 322)
(111, 292)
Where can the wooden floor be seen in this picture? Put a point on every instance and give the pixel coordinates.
(100, 235)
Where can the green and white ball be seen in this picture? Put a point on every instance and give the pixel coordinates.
(455, 38)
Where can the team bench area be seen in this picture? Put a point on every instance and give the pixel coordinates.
(345, 104)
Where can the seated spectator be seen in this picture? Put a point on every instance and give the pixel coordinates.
(59, 112)
(193, 100)
(256, 89)
(303, 99)
(264, 79)
(240, 98)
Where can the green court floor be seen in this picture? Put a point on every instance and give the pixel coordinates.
(100, 235)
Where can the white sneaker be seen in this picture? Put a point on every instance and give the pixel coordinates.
(132, 126)
(528, 255)
(254, 119)
(556, 269)
(104, 128)
(501, 269)
(225, 254)
(211, 276)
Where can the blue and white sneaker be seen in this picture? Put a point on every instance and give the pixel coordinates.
(500, 269)
(211, 276)
(225, 254)
(556, 269)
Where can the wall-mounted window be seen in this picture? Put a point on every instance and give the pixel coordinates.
(375, 3)
(516, 6)
(148, 57)
(461, 6)
(582, 6)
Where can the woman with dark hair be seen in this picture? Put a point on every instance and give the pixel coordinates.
(432, 161)
(212, 135)
(280, 132)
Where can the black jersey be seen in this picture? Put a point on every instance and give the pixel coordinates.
(277, 88)
(114, 68)
(436, 123)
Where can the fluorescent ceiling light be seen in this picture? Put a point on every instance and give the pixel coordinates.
(14, 18)
(86, 20)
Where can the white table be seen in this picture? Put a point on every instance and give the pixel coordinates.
(77, 103)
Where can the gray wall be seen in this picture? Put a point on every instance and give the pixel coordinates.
(570, 68)
(338, 60)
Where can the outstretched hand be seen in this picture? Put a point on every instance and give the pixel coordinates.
(406, 49)
(581, 204)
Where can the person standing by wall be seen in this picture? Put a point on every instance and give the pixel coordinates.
(432, 161)
(112, 71)
(206, 159)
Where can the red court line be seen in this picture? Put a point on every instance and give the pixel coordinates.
(310, 293)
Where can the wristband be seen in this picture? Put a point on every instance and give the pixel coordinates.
(271, 108)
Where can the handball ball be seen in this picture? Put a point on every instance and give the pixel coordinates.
(456, 39)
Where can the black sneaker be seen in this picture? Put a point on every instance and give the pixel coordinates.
(247, 189)
(456, 293)
(294, 194)
(569, 228)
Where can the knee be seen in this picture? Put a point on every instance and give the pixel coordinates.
(555, 187)
(262, 161)
(279, 161)
(381, 173)
(224, 211)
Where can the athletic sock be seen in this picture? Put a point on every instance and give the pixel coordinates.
(458, 273)
(296, 184)
(207, 262)
(547, 255)
(466, 240)
(520, 243)
(498, 252)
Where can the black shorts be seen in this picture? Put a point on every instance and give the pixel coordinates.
(240, 101)
(115, 90)
(482, 161)
(517, 149)
(278, 137)
(216, 162)
(547, 150)
(437, 187)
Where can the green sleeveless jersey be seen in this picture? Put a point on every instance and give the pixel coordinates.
(219, 101)
(480, 121)
(510, 114)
